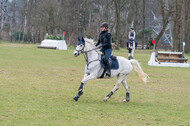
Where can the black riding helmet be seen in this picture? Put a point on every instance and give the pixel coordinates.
(132, 28)
(104, 24)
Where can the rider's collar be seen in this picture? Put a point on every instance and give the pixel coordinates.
(103, 32)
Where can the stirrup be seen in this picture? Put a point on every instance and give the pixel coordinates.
(108, 74)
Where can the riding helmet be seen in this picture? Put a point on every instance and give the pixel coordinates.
(104, 24)
(132, 28)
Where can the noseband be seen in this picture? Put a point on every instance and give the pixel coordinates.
(80, 51)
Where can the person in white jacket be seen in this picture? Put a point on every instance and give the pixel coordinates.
(132, 37)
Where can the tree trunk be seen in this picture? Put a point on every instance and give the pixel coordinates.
(177, 29)
(161, 32)
(25, 20)
(117, 20)
(179, 23)
(12, 20)
(165, 18)
(143, 39)
(3, 15)
(187, 26)
(187, 46)
(174, 35)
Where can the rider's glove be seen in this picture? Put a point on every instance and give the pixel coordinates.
(99, 46)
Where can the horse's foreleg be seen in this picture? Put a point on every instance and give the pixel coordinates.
(127, 90)
(83, 82)
(80, 92)
(133, 49)
(116, 87)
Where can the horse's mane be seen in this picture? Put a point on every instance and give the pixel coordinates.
(91, 43)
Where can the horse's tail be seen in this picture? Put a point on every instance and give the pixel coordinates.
(143, 76)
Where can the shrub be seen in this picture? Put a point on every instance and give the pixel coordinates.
(18, 35)
(54, 37)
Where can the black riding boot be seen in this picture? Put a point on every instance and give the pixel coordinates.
(108, 69)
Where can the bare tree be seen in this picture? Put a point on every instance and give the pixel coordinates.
(25, 18)
(165, 12)
(35, 18)
(3, 14)
(186, 4)
(143, 39)
(118, 4)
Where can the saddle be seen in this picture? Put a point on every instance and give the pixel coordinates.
(130, 44)
(114, 63)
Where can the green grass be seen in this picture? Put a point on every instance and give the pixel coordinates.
(37, 87)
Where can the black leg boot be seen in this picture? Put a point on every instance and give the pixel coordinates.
(108, 69)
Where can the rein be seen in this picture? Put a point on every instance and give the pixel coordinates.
(86, 57)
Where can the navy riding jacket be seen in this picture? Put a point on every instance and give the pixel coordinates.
(105, 40)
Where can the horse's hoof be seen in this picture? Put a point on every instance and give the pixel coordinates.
(123, 101)
(127, 97)
(75, 98)
(106, 99)
(127, 100)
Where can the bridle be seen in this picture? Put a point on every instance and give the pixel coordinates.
(80, 51)
(86, 56)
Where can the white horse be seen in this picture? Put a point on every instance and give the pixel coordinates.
(94, 70)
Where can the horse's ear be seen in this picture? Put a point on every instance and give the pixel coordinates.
(83, 39)
(79, 38)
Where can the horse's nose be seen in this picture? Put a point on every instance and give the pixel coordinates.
(75, 54)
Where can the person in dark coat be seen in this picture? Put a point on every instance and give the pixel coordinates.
(105, 39)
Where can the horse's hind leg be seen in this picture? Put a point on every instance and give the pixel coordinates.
(133, 49)
(124, 82)
(130, 54)
(116, 87)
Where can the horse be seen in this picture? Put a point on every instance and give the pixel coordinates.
(94, 69)
(131, 48)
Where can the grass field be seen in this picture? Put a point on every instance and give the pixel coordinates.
(37, 87)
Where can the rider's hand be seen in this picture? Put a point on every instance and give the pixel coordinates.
(99, 46)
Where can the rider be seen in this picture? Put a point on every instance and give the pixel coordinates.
(132, 37)
(105, 39)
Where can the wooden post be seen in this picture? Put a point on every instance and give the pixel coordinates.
(154, 42)
(183, 47)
